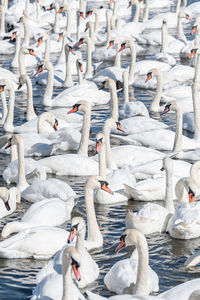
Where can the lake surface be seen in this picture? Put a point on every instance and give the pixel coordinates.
(167, 255)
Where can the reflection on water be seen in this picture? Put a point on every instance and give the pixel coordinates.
(167, 255)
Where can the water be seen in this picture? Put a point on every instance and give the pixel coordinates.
(167, 255)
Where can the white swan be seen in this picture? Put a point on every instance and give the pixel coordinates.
(8, 200)
(52, 268)
(74, 164)
(154, 217)
(46, 212)
(85, 91)
(132, 274)
(61, 286)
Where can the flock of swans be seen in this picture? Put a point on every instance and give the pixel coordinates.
(70, 44)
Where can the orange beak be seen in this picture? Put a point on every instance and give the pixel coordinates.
(31, 52)
(121, 245)
(98, 146)
(193, 52)
(119, 127)
(38, 70)
(72, 235)
(1, 88)
(60, 10)
(55, 126)
(110, 45)
(80, 67)
(191, 197)
(78, 44)
(188, 18)
(9, 144)
(148, 77)
(74, 109)
(89, 13)
(13, 36)
(72, 51)
(76, 272)
(122, 48)
(82, 16)
(39, 42)
(194, 29)
(106, 188)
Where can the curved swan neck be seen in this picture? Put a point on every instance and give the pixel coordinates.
(46, 116)
(30, 109)
(4, 107)
(137, 11)
(194, 172)
(8, 125)
(178, 134)
(125, 86)
(67, 278)
(168, 201)
(83, 148)
(94, 233)
(114, 99)
(181, 34)
(118, 55)
(164, 44)
(68, 82)
(110, 163)
(146, 11)
(2, 29)
(133, 60)
(141, 286)
(155, 105)
(49, 88)
(22, 183)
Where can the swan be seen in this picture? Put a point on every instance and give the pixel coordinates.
(8, 200)
(55, 46)
(154, 217)
(133, 274)
(46, 212)
(74, 164)
(86, 91)
(116, 178)
(4, 105)
(44, 241)
(162, 139)
(62, 286)
(52, 268)
(130, 109)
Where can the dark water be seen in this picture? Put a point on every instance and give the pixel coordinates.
(167, 255)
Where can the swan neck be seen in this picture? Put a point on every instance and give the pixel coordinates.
(110, 163)
(80, 240)
(102, 162)
(181, 34)
(68, 82)
(67, 279)
(68, 25)
(125, 87)
(132, 65)
(56, 23)
(194, 172)
(114, 101)
(137, 12)
(178, 5)
(47, 49)
(146, 11)
(2, 21)
(96, 24)
(155, 105)
(118, 56)
(141, 287)
(30, 109)
(4, 107)
(17, 49)
(21, 165)
(178, 134)
(168, 201)
(80, 75)
(94, 233)
(164, 38)
(78, 31)
(8, 125)
(108, 26)
(13, 153)
(196, 107)
(22, 69)
(49, 88)
(83, 148)
(26, 33)
(88, 72)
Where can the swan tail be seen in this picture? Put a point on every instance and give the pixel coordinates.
(11, 228)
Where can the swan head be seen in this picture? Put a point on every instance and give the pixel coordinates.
(184, 15)
(40, 68)
(22, 80)
(80, 14)
(79, 65)
(164, 21)
(171, 106)
(49, 118)
(69, 48)
(167, 162)
(77, 225)
(96, 183)
(129, 238)
(99, 141)
(191, 195)
(192, 52)
(110, 124)
(71, 253)
(89, 13)
(26, 50)
(82, 105)
(5, 196)
(15, 139)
